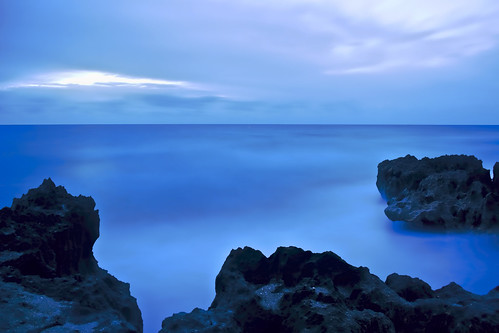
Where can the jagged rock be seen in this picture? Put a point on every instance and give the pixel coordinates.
(495, 177)
(49, 279)
(447, 192)
(409, 288)
(299, 291)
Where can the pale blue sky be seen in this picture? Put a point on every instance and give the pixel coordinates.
(241, 61)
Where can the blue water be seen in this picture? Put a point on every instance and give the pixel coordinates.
(175, 199)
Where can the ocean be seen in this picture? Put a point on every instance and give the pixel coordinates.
(175, 199)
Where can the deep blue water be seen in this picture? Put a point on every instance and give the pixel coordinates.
(175, 199)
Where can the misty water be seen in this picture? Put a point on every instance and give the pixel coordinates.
(175, 199)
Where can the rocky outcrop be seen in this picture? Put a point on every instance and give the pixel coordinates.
(299, 291)
(447, 192)
(49, 279)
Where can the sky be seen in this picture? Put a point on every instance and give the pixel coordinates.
(240, 61)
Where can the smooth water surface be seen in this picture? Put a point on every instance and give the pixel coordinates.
(175, 199)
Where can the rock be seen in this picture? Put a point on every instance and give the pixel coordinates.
(495, 179)
(299, 291)
(49, 278)
(447, 192)
(409, 288)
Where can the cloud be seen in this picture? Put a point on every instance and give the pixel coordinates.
(364, 36)
(223, 61)
(80, 96)
(79, 78)
(250, 47)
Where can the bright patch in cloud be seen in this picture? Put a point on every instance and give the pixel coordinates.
(94, 79)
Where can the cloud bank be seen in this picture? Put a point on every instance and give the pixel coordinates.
(363, 36)
(242, 61)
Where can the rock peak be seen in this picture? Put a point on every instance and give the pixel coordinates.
(47, 183)
(63, 227)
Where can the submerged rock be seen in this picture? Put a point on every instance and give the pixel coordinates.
(299, 291)
(447, 192)
(49, 278)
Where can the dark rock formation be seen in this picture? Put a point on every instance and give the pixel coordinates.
(300, 291)
(49, 278)
(447, 192)
(409, 288)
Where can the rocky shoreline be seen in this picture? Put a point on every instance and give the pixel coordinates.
(299, 291)
(49, 279)
(451, 192)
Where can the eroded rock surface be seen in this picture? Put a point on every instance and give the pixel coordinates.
(447, 192)
(299, 291)
(49, 279)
